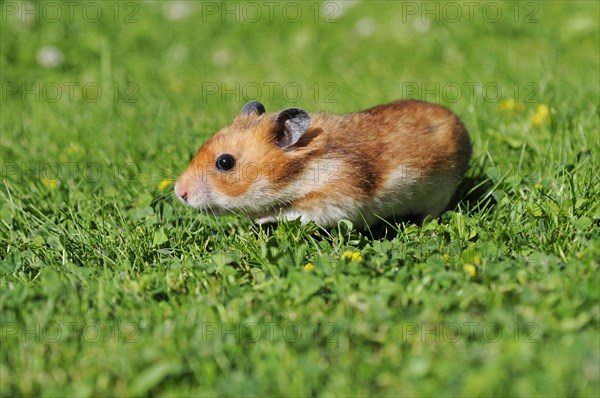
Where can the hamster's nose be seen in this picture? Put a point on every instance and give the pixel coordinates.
(181, 192)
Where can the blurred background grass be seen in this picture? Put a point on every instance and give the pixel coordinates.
(172, 53)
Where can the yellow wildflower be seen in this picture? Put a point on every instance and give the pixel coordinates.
(308, 267)
(356, 256)
(347, 255)
(470, 269)
(164, 184)
(50, 182)
(510, 105)
(352, 256)
(541, 115)
(538, 186)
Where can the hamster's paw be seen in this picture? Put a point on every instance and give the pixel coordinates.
(287, 215)
(266, 220)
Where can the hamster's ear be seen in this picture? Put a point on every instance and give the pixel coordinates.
(290, 125)
(253, 108)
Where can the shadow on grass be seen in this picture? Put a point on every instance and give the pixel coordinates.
(472, 196)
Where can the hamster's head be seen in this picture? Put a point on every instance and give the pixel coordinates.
(242, 168)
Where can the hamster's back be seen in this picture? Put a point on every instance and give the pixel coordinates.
(411, 134)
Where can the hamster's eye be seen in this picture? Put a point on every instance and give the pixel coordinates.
(225, 162)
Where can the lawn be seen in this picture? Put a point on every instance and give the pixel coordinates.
(110, 286)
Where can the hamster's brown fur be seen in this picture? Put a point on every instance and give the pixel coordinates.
(406, 157)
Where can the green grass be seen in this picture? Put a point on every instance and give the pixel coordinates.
(111, 287)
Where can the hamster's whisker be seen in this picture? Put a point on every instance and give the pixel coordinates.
(166, 197)
(166, 169)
